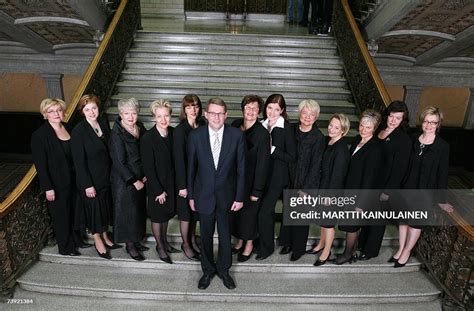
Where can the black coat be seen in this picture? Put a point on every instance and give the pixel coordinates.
(283, 139)
(91, 156)
(307, 167)
(129, 204)
(257, 158)
(157, 158)
(53, 167)
(395, 149)
(334, 165)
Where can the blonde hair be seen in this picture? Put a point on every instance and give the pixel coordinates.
(430, 110)
(312, 106)
(345, 123)
(130, 103)
(371, 116)
(48, 103)
(159, 103)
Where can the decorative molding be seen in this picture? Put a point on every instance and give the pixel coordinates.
(54, 85)
(403, 58)
(45, 63)
(50, 19)
(428, 33)
(412, 99)
(90, 11)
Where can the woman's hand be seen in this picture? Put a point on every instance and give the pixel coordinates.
(253, 198)
(384, 197)
(50, 196)
(161, 198)
(138, 185)
(183, 193)
(144, 179)
(90, 192)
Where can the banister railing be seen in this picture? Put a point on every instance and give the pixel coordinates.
(24, 220)
(368, 89)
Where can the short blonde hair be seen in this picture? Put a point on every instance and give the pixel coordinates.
(130, 103)
(312, 106)
(345, 122)
(434, 111)
(159, 103)
(371, 116)
(48, 103)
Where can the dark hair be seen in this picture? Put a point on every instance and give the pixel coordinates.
(250, 99)
(396, 106)
(216, 101)
(87, 99)
(190, 100)
(278, 99)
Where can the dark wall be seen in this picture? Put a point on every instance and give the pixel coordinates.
(16, 129)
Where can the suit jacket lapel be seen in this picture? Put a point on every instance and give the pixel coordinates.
(224, 146)
(207, 145)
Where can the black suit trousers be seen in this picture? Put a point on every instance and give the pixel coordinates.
(266, 221)
(295, 237)
(207, 224)
(370, 240)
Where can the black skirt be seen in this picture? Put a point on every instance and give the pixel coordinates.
(244, 222)
(160, 213)
(183, 210)
(96, 213)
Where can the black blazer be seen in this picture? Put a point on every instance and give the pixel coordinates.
(157, 159)
(257, 158)
(307, 167)
(285, 153)
(396, 149)
(52, 165)
(91, 155)
(334, 165)
(208, 186)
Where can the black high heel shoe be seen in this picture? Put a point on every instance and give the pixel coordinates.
(243, 258)
(105, 255)
(313, 252)
(285, 250)
(320, 262)
(236, 250)
(400, 265)
(170, 249)
(138, 257)
(194, 257)
(140, 247)
(342, 260)
(166, 259)
(392, 259)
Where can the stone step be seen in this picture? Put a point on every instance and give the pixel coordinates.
(274, 264)
(41, 301)
(261, 78)
(243, 39)
(181, 285)
(178, 46)
(230, 55)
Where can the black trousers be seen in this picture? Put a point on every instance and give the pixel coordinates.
(370, 240)
(322, 12)
(266, 221)
(295, 237)
(62, 215)
(207, 223)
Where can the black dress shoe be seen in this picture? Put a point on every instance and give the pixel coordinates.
(320, 262)
(314, 252)
(340, 260)
(285, 250)
(195, 257)
(399, 265)
(113, 246)
(205, 281)
(172, 250)
(141, 247)
(261, 257)
(105, 255)
(227, 280)
(294, 257)
(166, 259)
(85, 245)
(392, 259)
(236, 250)
(364, 257)
(73, 253)
(138, 257)
(243, 258)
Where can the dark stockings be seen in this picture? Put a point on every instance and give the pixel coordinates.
(351, 244)
(159, 232)
(187, 229)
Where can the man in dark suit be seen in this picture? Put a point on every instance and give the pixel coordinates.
(216, 178)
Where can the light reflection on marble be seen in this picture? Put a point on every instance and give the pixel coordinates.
(222, 26)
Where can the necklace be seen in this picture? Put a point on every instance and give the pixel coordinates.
(422, 147)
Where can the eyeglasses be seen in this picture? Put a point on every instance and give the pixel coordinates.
(251, 108)
(431, 122)
(216, 114)
(51, 111)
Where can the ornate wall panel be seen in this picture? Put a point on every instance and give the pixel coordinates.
(407, 45)
(237, 6)
(61, 33)
(28, 8)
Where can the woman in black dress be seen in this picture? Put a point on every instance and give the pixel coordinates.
(362, 173)
(395, 148)
(127, 179)
(334, 165)
(427, 169)
(92, 163)
(282, 153)
(306, 171)
(52, 156)
(157, 158)
(191, 118)
(257, 156)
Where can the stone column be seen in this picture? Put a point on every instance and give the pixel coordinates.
(469, 122)
(412, 99)
(54, 85)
